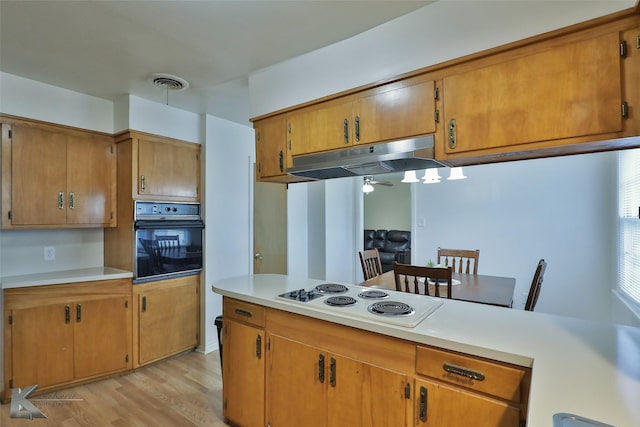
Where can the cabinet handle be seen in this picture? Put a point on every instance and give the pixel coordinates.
(259, 346)
(332, 372)
(452, 134)
(78, 313)
(321, 368)
(67, 314)
(144, 304)
(281, 161)
(423, 403)
(464, 372)
(143, 184)
(60, 200)
(245, 313)
(72, 200)
(345, 130)
(357, 125)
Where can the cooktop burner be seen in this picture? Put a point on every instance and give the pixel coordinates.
(391, 308)
(341, 301)
(373, 294)
(331, 288)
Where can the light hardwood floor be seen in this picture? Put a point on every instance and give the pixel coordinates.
(185, 390)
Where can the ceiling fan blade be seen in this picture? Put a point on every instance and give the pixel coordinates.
(385, 183)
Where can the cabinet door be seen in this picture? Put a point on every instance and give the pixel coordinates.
(168, 169)
(91, 180)
(42, 345)
(243, 374)
(438, 405)
(322, 128)
(169, 317)
(361, 394)
(396, 111)
(563, 92)
(271, 147)
(39, 176)
(296, 385)
(101, 342)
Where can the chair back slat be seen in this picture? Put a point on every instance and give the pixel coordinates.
(415, 279)
(371, 264)
(466, 260)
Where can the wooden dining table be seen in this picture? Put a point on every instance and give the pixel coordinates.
(493, 290)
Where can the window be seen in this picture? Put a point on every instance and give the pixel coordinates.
(629, 225)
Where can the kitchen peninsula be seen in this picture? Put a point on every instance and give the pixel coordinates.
(556, 365)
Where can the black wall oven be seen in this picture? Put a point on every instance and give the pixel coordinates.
(168, 240)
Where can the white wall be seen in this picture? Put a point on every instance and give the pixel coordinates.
(228, 176)
(561, 209)
(388, 208)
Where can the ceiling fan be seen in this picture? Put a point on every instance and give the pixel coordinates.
(369, 182)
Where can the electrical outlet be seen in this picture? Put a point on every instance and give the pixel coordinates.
(49, 253)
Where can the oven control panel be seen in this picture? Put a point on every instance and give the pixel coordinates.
(162, 210)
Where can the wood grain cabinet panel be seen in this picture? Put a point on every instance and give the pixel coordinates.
(393, 111)
(61, 334)
(243, 372)
(168, 169)
(57, 177)
(271, 147)
(167, 318)
(438, 405)
(568, 91)
(321, 388)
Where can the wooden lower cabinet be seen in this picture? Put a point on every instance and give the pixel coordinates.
(167, 318)
(319, 388)
(243, 373)
(446, 406)
(60, 334)
(317, 373)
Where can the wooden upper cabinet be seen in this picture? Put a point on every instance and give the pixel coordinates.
(397, 110)
(271, 147)
(321, 127)
(168, 170)
(567, 91)
(57, 177)
(400, 110)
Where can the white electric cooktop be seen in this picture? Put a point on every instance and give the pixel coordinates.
(397, 308)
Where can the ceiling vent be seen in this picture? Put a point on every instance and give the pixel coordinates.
(168, 82)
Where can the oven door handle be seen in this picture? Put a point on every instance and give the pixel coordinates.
(141, 225)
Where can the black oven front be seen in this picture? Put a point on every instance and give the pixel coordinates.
(168, 240)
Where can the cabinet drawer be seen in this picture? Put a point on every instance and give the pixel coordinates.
(493, 378)
(244, 312)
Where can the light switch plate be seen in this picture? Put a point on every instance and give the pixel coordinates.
(49, 253)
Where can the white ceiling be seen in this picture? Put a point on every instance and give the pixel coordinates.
(109, 48)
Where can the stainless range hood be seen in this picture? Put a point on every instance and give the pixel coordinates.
(374, 159)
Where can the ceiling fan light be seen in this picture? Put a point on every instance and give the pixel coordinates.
(367, 188)
(456, 173)
(431, 176)
(409, 177)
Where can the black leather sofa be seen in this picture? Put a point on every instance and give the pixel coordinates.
(393, 245)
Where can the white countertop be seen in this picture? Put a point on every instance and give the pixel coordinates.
(65, 276)
(580, 367)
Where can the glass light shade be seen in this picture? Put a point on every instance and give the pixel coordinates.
(456, 173)
(431, 176)
(367, 188)
(410, 176)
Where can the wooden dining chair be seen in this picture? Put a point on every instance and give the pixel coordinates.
(415, 279)
(371, 264)
(536, 284)
(465, 259)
